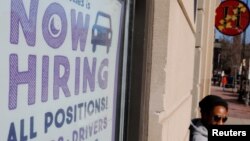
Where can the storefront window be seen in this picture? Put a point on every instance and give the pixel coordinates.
(60, 66)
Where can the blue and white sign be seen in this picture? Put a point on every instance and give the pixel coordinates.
(59, 67)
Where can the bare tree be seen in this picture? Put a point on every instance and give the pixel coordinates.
(231, 53)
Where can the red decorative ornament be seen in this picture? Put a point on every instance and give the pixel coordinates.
(232, 17)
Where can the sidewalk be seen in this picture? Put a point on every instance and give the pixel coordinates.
(239, 113)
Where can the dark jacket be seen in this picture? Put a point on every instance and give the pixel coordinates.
(198, 132)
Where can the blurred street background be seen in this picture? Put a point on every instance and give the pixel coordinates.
(239, 111)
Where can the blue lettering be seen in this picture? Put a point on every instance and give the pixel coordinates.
(91, 107)
(80, 110)
(75, 136)
(12, 133)
(75, 113)
(103, 81)
(48, 121)
(58, 123)
(22, 136)
(52, 35)
(79, 30)
(61, 82)
(77, 74)
(32, 133)
(89, 76)
(69, 115)
(45, 77)
(19, 16)
(82, 135)
(17, 78)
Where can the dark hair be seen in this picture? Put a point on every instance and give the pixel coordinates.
(210, 101)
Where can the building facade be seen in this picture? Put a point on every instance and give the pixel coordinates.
(110, 70)
(175, 62)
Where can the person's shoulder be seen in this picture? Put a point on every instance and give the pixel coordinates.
(197, 122)
(198, 132)
(197, 127)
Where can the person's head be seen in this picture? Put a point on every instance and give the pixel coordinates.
(213, 110)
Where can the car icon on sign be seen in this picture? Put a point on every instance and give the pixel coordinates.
(102, 31)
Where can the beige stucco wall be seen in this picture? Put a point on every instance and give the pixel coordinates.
(173, 74)
(203, 51)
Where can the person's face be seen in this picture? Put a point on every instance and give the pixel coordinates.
(218, 116)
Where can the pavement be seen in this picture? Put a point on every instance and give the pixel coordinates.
(239, 112)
